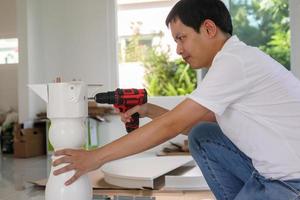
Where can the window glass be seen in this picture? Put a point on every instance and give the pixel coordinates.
(9, 51)
(147, 51)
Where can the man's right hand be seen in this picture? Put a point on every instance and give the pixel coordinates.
(145, 110)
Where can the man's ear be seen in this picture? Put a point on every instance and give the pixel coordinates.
(209, 27)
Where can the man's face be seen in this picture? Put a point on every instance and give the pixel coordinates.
(195, 48)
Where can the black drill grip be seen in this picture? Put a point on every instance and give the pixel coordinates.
(134, 122)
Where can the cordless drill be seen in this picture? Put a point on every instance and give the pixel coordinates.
(124, 99)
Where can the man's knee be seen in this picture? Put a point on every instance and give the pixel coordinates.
(202, 132)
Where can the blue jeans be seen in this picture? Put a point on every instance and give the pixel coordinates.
(230, 173)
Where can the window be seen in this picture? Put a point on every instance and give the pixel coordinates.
(9, 51)
(147, 51)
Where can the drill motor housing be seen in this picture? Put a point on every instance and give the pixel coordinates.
(124, 99)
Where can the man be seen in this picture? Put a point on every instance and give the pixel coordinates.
(253, 151)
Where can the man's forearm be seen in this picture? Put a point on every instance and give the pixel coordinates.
(209, 117)
(155, 111)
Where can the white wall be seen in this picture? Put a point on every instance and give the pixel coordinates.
(7, 19)
(73, 39)
(8, 87)
(295, 36)
(8, 73)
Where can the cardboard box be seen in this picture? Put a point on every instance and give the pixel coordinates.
(29, 142)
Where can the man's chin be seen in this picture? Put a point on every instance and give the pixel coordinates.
(195, 66)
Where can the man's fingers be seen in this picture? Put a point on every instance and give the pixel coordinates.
(117, 110)
(133, 110)
(63, 152)
(73, 178)
(63, 169)
(65, 159)
(125, 118)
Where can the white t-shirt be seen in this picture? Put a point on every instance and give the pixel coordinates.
(257, 105)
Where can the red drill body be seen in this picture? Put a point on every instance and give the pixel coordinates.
(124, 99)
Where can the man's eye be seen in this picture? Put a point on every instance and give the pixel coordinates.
(181, 38)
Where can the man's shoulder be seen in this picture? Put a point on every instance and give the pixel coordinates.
(234, 49)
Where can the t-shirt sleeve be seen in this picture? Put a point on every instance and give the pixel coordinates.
(224, 83)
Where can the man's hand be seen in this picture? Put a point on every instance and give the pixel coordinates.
(145, 110)
(81, 161)
(141, 109)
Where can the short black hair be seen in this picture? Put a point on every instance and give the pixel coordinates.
(193, 13)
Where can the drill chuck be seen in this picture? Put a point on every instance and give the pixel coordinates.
(106, 97)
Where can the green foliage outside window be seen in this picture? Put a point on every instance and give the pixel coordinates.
(165, 77)
(135, 51)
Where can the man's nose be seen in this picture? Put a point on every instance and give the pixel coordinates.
(179, 49)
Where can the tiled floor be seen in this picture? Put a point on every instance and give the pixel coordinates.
(14, 174)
